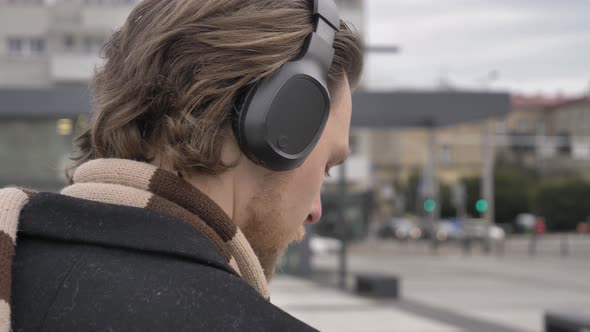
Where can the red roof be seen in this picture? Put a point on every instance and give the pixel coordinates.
(546, 103)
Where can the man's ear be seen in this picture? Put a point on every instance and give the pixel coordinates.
(231, 154)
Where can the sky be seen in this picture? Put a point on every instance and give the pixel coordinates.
(525, 46)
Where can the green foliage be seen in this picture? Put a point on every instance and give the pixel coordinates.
(563, 203)
(517, 190)
(473, 191)
(413, 205)
(447, 210)
(513, 189)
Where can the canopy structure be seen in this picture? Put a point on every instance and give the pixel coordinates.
(371, 109)
(425, 109)
(42, 103)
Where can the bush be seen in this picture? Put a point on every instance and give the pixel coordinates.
(513, 189)
(563, 203)
(447, 210)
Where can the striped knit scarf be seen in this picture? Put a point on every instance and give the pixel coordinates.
(136, 184)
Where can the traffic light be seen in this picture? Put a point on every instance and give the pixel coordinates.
(429, 205)
(481, 205)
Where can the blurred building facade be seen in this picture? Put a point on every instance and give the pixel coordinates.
(48, 51)
(359, 169)
(550, 135)
(55, 42)
(398, 155)
(353, 12)
(37, 126)
(49, 48)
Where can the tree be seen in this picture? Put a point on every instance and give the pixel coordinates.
(563, 203)
(513, 189)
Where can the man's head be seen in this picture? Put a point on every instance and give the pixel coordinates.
(286, 201)
(166, 92)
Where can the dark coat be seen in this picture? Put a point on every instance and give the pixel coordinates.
(88, 266)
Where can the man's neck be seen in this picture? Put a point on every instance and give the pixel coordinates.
(231, 190)
(220, 189)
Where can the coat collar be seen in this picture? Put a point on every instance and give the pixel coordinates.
(61, 218)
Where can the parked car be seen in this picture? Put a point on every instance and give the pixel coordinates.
(496, 233)
(525, 222)
(400, 229)
(540, 227)
(449, 230)
(324, 245)
(583, 227)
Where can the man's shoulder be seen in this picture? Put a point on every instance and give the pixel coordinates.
(82, 265)
(130, 290)
(67, 219)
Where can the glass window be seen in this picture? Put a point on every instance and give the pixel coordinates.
(23, 2)
(69, 42)
(25, 46)
(15, 46)
(37, 46)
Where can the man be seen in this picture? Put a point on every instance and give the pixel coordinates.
(214, 124)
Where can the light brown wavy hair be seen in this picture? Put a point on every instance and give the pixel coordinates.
(173, 71)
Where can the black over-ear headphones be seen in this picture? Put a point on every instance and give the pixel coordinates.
(279, 120)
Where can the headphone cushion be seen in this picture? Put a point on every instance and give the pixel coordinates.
(240, 106)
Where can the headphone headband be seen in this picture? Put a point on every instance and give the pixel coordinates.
(328, 11)
(326, 20)
(279, 120)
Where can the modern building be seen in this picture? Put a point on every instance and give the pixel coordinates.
(359, 168)
(550, 135)
(45, 43)
(36, 131)
(48, 51)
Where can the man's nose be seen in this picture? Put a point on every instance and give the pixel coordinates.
(316, 210)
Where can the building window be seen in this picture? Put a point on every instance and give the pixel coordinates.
(37, 46)
(22, 2)
(501, 127)
(564, 144)
(15, 46)
(69, 42)
(23, 47)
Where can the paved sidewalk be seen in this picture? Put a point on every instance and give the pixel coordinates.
(328, 309)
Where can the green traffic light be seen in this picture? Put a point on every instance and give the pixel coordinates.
(429, 205)
(481, 206)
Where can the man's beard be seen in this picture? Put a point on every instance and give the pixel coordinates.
(267, 231)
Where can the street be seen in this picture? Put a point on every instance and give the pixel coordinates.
(447, 290)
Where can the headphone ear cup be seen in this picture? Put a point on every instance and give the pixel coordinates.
(239, 111)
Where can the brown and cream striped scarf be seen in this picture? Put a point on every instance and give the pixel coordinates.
(136, 184)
